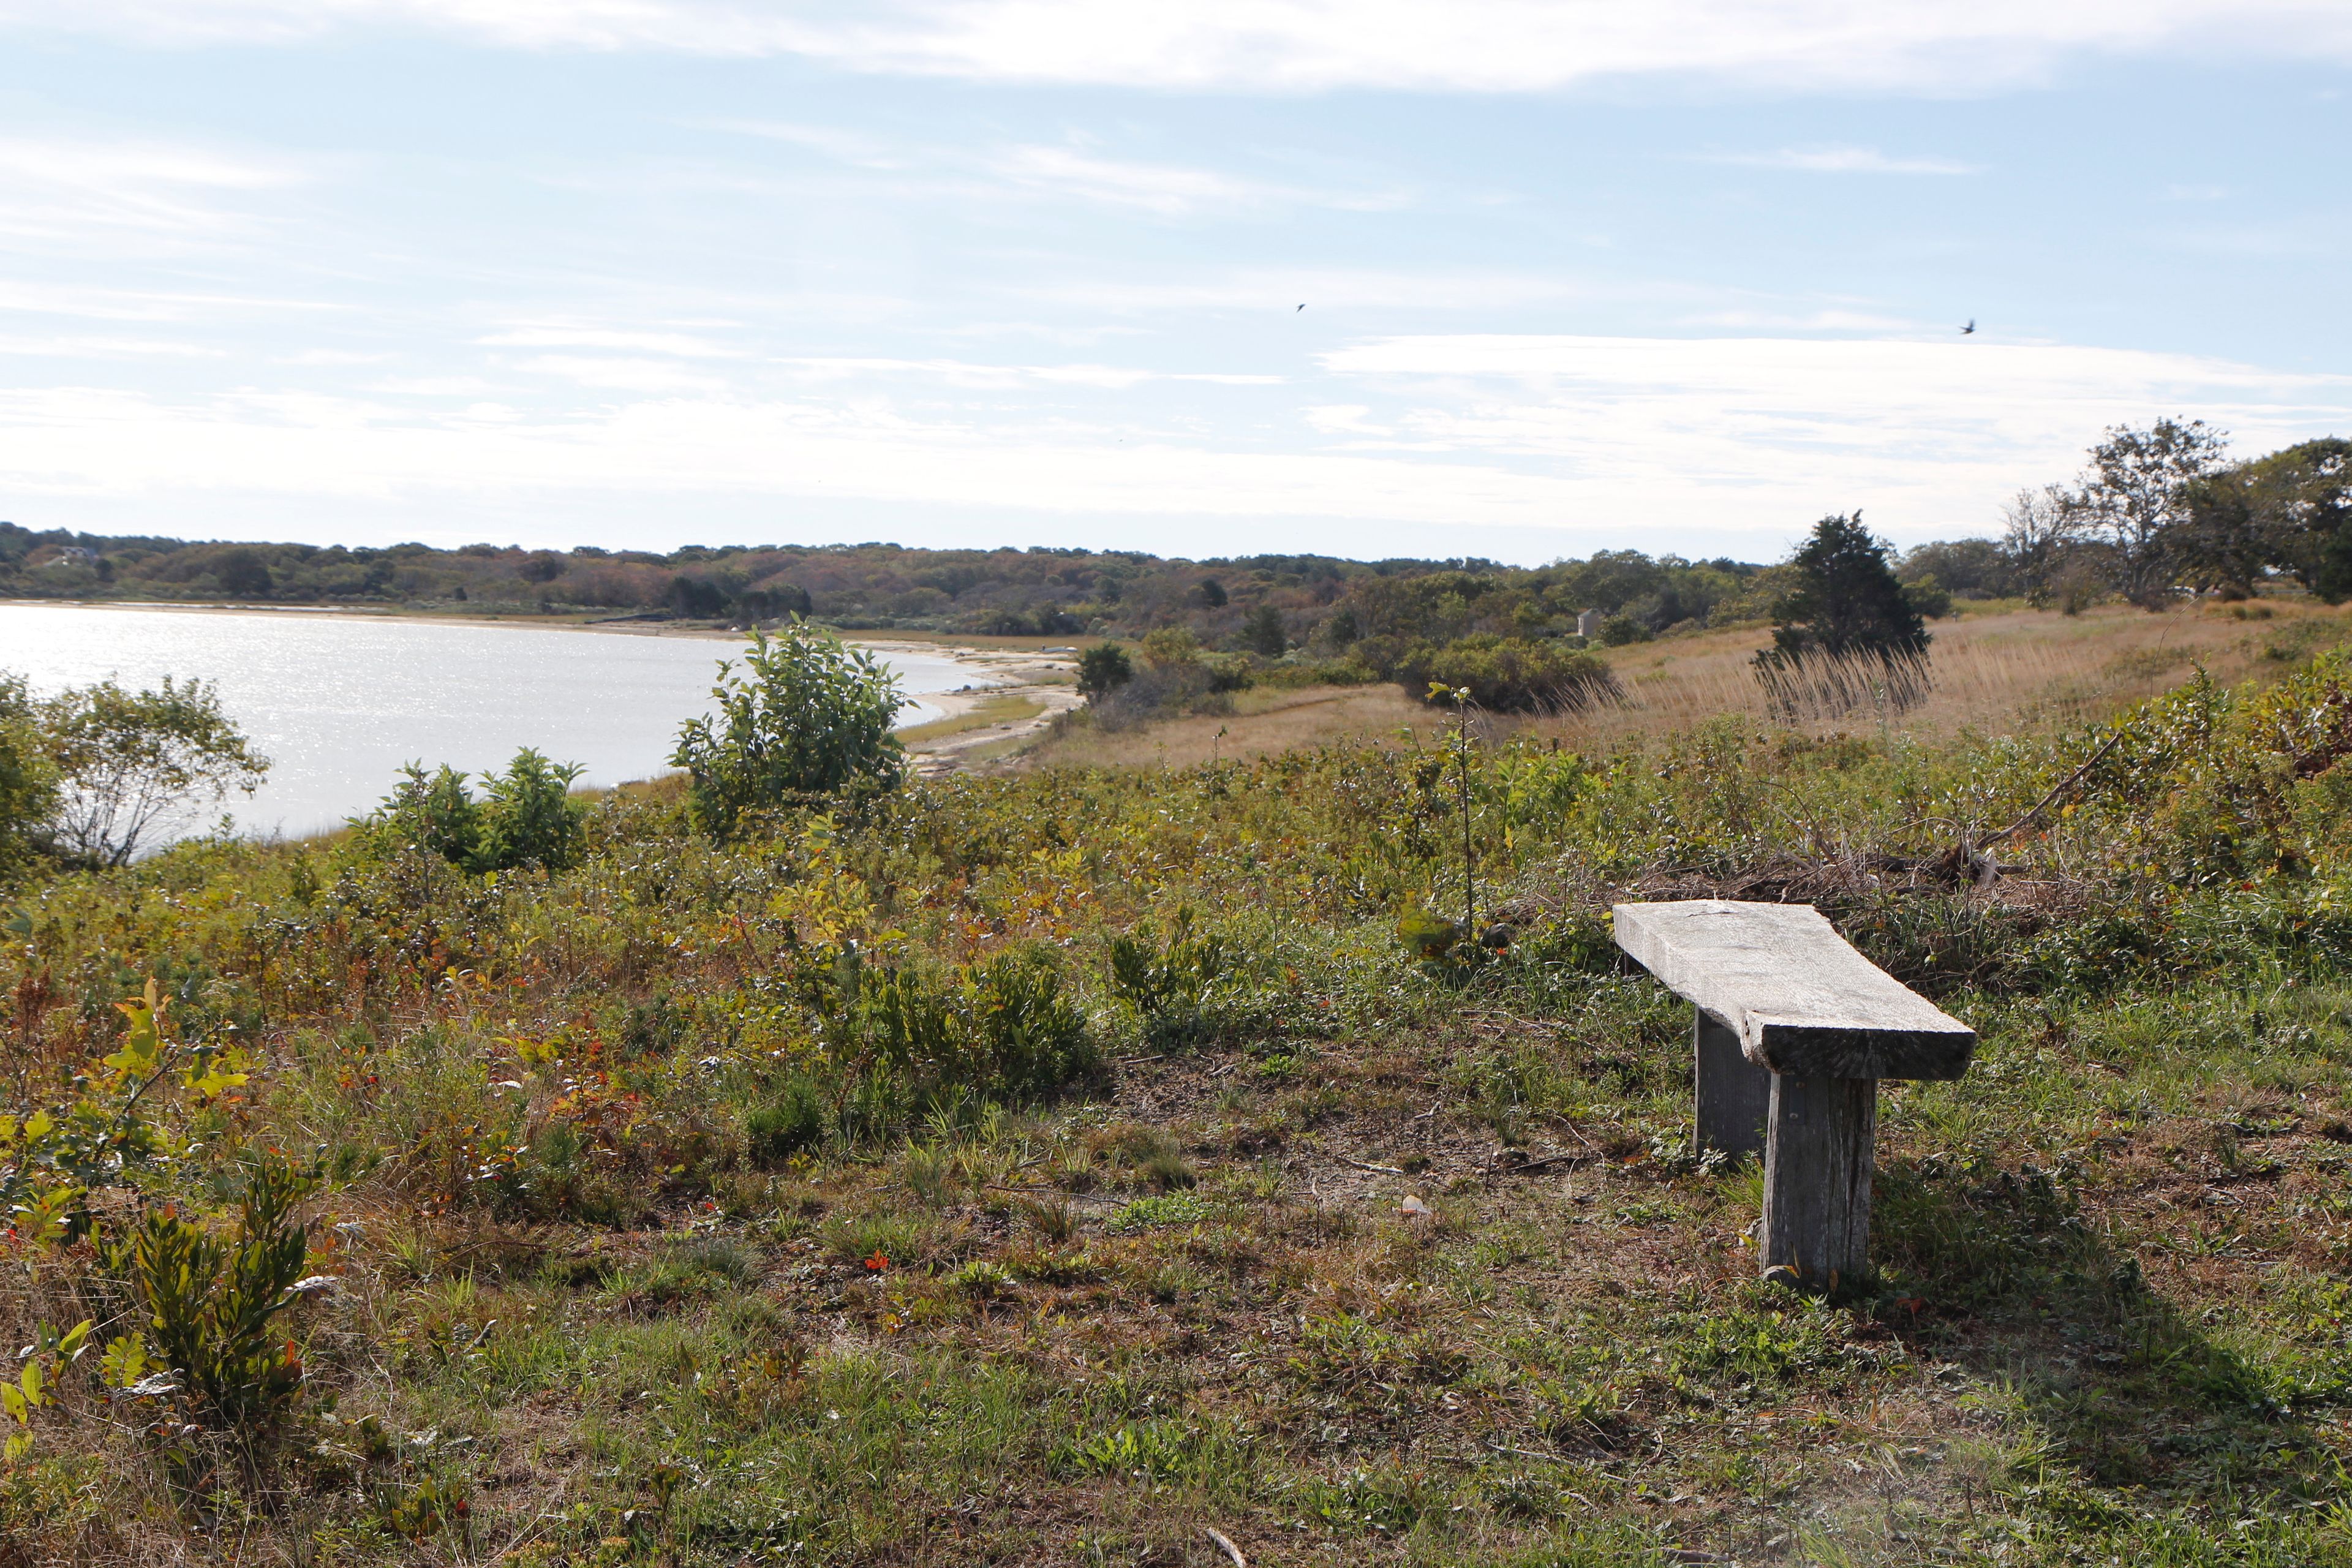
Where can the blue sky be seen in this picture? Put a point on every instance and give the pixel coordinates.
(1681, 276)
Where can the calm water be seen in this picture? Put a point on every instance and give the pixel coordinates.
(340, 702)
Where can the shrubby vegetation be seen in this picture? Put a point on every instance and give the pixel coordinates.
(88, 775)
(1851, 637)
(1017, 1166)
(809, 717)
(2159, 512)
(1508, 675)
(527, 816)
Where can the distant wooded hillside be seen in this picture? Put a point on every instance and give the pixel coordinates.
(1263, 604)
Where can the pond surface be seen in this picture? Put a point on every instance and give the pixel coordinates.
(340, 702)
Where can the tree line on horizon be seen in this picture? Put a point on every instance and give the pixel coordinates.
(2155, 511)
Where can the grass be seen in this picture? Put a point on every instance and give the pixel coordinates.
(1998, 668)
(1262, 723)
(584, 1317)
(2009, 669)
(986, 713)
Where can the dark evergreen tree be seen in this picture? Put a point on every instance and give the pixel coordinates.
(1103, 669)
(1847, 599)
(1262, 632)
(1848, 637)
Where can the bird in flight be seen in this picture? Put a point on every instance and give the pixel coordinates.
(1301, 308)
(1964, 331)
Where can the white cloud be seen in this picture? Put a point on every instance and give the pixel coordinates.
(558, 335)
(967, 375)
(59, 191)
(844, 146)
(1304, 45)
(1840, 160)
(1164, 189)
(1657, 442)
(1936, 431)
(1281, 291)
(104, 348)
(612, 373)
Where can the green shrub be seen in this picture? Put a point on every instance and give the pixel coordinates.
(212, 1302)
(28, 781)
(1002, 1026)
(810, 716)
(1509, 675)
(1172, 988)
(1103, 669)
(1030, 1038)
(1621, 630)
(527, 816)
(124, 761)
(794, 1123)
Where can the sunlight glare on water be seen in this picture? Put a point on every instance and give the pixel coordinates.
(340, 702)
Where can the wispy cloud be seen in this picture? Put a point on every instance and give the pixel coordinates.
(842, 146)
(1169, 190)
(1074, 170)
(1579, 440)
(1303, 45)
(1840, 160)
(59, 191)
(971, 376)
(569, 335)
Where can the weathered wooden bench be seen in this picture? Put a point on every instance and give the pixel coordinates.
(1794, 1030)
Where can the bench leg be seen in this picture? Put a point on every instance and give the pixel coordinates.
(1817, 1166)
(1735, 1095)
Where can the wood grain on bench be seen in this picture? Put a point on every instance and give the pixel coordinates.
(1794, 1028)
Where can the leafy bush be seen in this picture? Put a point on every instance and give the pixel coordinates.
(527, 815)
(1619, 630)
(1511, 675)
(1002, 1025)
(1177, 677)
(212, 1302)
(1175, 979)
(810, 716)
(28, 781)
(124, 760)
(792, 1122)
(1103, 669)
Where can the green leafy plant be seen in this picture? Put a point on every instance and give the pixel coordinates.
(1174, 985)
(1003, 1026)
(113, 1129)
(212, 1302)
(31, 1389)
(810, 716)
(795, 1121)
(125, 760)
(1103, 669)
(527, 815)
(1508, 675)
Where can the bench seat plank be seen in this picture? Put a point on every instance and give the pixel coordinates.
(1799, 997)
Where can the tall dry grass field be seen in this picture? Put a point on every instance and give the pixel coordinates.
(1999, 672)
(2018, 669)
(1262, 722)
